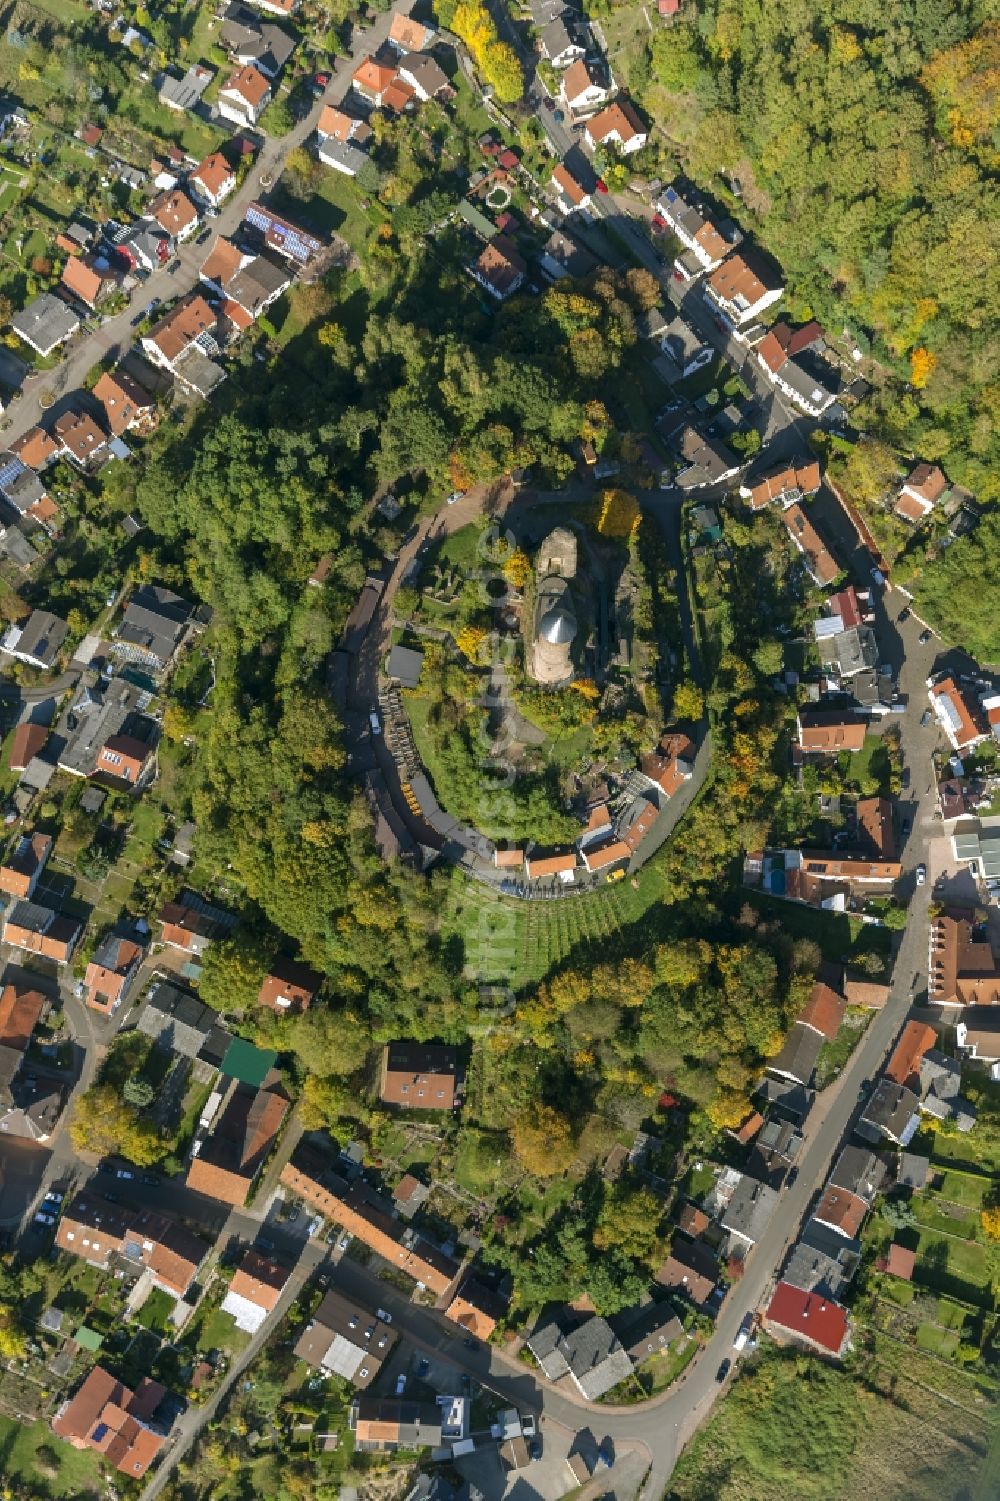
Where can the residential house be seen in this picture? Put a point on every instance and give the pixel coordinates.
(255, 43)
(499, 269)
(749, 1212)
(691, 1268)
(368, 1215)
(939, 1087)
(152, 627)
(646, 1330)
(288, 987)
(827, 732)
(21, 1009)
(962, 970)
(421, 1076)
(409, 35)
(117, 1423)
(704, 460)
(178, 1022)
(618, 126)
(845, 653)
(22, 869)
(581, 88)
(425, 77)
(786, 483)
(841, 1211)
(742, 287)
(806, 1318)
(572, 193)
(707, 243)
(240, 1140)
(799, 1055)
(336, 125)
(891, 1111)
(89, 278)
(959, 715)
(109, 1236)
(819, 561)
(213, 179)
(558, 44)
(977, 1034)
(822, 1262)
(790, 358)
(591, 1354)
(259, 282)
(372, 80)
(112, 969)
(409, 1194)
(185, 93)
(25, 491)
(476, 1309)
(190, 324)
(865, 993)
(145, 246)
(279, 234)
(191, 924)
(245, 97)
(381, 1426)
(126, 405)
(669, 766)
(39, 930)
(343, 1339)
(824, 1011)
(777, 1145)
(904, 1065)
(80, 439)
(175, 214)
(123, 760)
(920, 492)
(26, 743)
(99, 713)
(38, 641)
(254, 1290)
(36, 449)
(278, 7)
(686, 348)
(343, 155)
(45, 323)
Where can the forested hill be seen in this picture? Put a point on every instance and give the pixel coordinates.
(863, 137)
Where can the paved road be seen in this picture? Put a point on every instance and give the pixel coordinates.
(116, 333)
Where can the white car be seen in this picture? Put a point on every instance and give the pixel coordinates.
(315, 1224)
(124, 1173)
(41, 1218)
(454, 497)
(52, 1197)
(380, 1313)
(400, 1384)
(375, 723)
(921, 874)
(529, 1425)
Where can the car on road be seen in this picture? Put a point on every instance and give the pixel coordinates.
(400, 1383)
(375, 722)
(878, 577)
(905, 827)
(381, 1313)
(601, 185)
(921, 874)
(52, 1197)
(151, 1180)
(904, 614)
(423, 1368)
(559, 117)
(658, 224)
(315, 1224)
(529, 1424)
(206, 234)
(134, 322)
(123, 1173)
(174, 267)
(550, 104)
(924, 637)
(41, 1218)
(535, 1448)
(925, 719)
(454, 497)
(723, 1371)
(743, 1332)
(904, 780)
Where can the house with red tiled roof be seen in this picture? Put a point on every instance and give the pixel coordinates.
(581, 88)
(805, 1318)
(408, 35)
(371, 79)
(476, 1309)
(175, 214)
(500, 269)
(22, 869)
(126, 405)
(786, 483)
(26, 742)
(962, 969)
(904, 1065)
(819, 561)
(36, 448)
(117, 1423)
(255, 1289)
(920, 492)
(540, 867)
(742, 288)
(792, 361)
(289, 987)
(669, 766)
(80, 439)
(213, 179)
(170, 340)
(899, 1262)
(824, 1011)
(841, 1210)
(571, 194)
(827, 732)
(705, 244)
(229, 1159)
(335, 124)
(958, 713)
(112, 970)
(88, 278)
(245, 97)
(618, 126)
(39, 930)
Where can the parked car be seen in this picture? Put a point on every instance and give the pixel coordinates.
(535, 1448)
(52, 1197)
(315, 1224)
(904, 614)
(905, 827)
(924, 637)
(206, 234)
(124, 1173)
(602, 186)
(400, 1383)
(529, 1424)
(904, 780)
(925, 718)
(423, 1368)
(921, 874)
(606, 1453)
(743, 1333)
(559, 117)
(723, 1370)
(550, 104)
(41, 1218)
(151, 1180)
(375, 722)
(380, 1313)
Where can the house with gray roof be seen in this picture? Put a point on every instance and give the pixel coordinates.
(185, 93)
(45, 323)
(100, 712)
(249, 40)
(342, 156)
(591, 1354)
(558, 44)
(777, 1145)
(892, 1111)
(786, 1097)
(151, 629)
(749, 1211)
(799, 1055)
(427, 78)
(823, 1265)
(177, 1021)
(38, 641)
(860, 1171)
(649, 1329)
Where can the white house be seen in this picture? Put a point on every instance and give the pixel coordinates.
(617, 126)
(213, 179)
(580, 88)
(695, 230)
(245, 97)
(739, 290)
(558, 44)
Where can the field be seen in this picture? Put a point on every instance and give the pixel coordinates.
(44, 1465)
(903, 1429)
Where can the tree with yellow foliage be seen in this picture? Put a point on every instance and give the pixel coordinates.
(543, 1141)
(587, 689)
(517, 569)
(689, 701)
(619, 513)
(989, 1219)
(470, 641)
(922, 365)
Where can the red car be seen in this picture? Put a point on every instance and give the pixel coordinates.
(658, 224)
(321, 80)
(602, 186)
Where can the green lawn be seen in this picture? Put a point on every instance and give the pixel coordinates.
(935, 1341)
(217, 1332)
(841, 938)
(155, 1311)
(872, 760)
(44, 1465)
(461, 549)
(834, 1054)
(939, 1214)
(969, 1189)
(959, 1267)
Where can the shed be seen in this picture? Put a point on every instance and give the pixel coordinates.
(247, 1063)
(405, 665)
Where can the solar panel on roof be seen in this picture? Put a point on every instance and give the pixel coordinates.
(10, 472)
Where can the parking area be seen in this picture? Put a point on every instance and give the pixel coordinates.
(950, 879)
(545, 1479)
